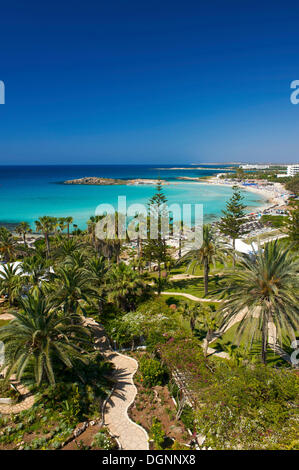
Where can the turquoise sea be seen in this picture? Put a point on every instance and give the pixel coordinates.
(27, 192)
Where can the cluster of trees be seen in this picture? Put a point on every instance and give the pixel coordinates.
(66, 276)
(50, 295)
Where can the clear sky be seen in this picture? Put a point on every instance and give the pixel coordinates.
(148, 81)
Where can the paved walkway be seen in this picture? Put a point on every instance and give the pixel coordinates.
(6, 316)
(26, 403)
(130, 435)
(190, 297)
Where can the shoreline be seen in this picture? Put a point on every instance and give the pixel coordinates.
(275, 195)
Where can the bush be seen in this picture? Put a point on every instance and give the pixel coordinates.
(157, 433)
(153, 373)
(103, 441)
(187, 417)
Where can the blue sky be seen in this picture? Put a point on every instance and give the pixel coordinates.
(148, 81)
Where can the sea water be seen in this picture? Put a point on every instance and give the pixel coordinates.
(28, 192)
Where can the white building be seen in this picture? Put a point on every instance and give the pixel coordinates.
(254, 167)
(293, 170)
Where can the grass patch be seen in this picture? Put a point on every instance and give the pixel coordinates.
(192, 286)
(231, 337)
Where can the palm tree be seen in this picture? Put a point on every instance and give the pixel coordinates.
(209, 321)
(10, 282)
(96, 268)
(265, 286)
(62, 223)
(68, 247)
(8, 245)
(36, 268)
(68, 220)
(46, 225)
(39, 338)
(191, 312)
(91, 226)
(124, 286)
(210, 251)
(77, 259)
(22, 229)
(71, 285)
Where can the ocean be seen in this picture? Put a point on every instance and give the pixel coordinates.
(28, 192)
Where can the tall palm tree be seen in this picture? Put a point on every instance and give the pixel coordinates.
(8, 245)
(10, 282)
(124, 286)
(46, 225)
(68, 220)
(40, 339)
(266, 286)
(91, 227)
(22, 229)
(62, 223)
(210, 251)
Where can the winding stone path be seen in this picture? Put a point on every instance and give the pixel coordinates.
(130, 435)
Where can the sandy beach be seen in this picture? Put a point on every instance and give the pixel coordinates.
(275, 195)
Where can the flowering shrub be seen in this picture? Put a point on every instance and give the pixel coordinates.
(103, 441)
(236, 406)
(152, 372)
(157, 433)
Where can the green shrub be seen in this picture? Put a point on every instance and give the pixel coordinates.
(187, 417)
(157, 433)
(152, 371)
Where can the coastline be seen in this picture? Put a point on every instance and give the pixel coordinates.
(276, 196)
(73, 201)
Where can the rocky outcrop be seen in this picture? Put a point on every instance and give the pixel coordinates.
(95, 180)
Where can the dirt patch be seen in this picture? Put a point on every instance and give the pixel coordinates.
(157, 402)
(84, 440)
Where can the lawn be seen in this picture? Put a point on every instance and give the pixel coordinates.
(231, 337)
(195, 269)
(193, 286)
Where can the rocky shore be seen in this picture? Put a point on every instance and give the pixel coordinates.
(95, 180)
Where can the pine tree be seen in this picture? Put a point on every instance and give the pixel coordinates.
(293, 224)
(232, 222)
(155, 248)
